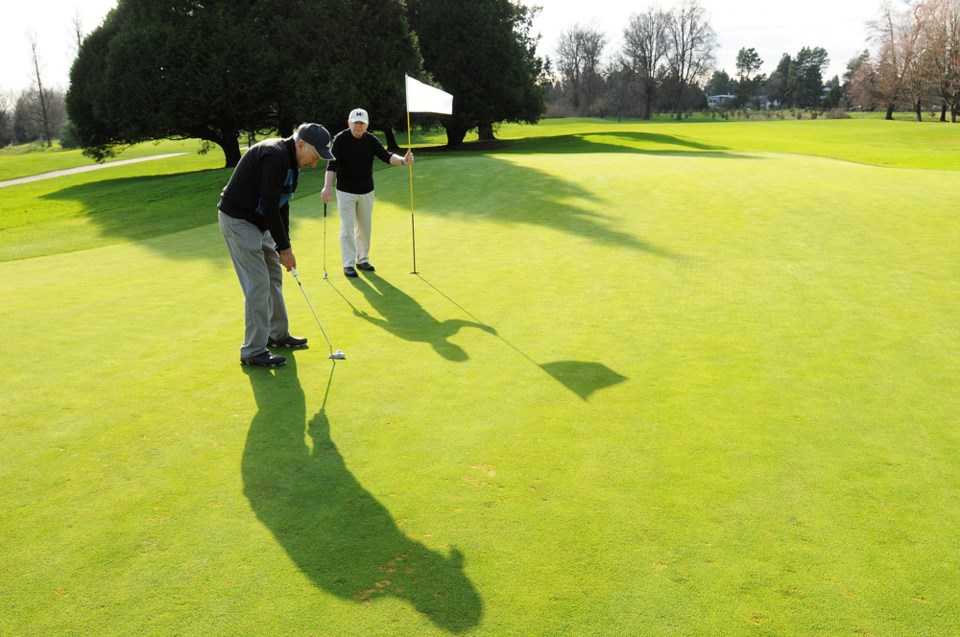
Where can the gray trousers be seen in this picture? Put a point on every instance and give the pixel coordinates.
(257, 263)
(356, 224)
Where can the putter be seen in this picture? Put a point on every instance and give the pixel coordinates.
(335, 355)
(324, 242)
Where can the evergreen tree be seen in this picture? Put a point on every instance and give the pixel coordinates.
(211, 69)
(174, 69)
(483, 54)
(805, 78)
(365, 52)
(777, 92)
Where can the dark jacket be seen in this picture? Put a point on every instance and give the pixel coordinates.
(261, 186)
(354, 161)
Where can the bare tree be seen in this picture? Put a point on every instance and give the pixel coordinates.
(860, 80)
(645, 49)
(920, 83)
(28, 124)
(40, 91)
(941, 34)
(6, 120)
(578, 60)
(896, 34)
(622, 87)
(77, 30)
(692, 43)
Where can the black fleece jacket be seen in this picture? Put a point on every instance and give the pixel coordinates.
(354, 161)
(261, 186)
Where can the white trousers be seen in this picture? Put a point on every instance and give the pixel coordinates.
(356, 224)
(257, 263)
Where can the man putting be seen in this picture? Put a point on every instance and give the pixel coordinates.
(254, 214)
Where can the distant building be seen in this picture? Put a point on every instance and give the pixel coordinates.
(719, 101)
(765, 104)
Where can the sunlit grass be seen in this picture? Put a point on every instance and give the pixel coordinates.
(652, 379)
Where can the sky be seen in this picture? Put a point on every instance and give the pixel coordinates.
(772, 28)
(51, 23)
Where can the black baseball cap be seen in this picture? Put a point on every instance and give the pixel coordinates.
(317, 136)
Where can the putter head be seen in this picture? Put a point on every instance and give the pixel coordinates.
(338, 355)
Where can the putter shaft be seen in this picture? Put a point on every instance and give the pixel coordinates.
(314, 312)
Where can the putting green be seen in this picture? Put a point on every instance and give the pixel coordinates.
(640, 385)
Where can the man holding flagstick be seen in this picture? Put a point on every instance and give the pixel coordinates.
(354, 150)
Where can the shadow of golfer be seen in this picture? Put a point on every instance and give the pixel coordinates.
(406, 319)
(336, 531)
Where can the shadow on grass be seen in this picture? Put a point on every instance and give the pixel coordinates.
(336, 531)
(621, 142)
(138, 208)
(496, 188)
(581, 377)
(478, 187)
(406, 319)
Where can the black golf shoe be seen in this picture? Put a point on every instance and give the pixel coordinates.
(367, 267)
(264, 359)
(349, 271)
(293, 342)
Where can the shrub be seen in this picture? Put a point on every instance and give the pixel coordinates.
(68, 135)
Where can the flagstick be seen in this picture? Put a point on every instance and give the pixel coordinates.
(413, 227)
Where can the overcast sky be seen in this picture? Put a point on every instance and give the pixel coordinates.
(772, 28)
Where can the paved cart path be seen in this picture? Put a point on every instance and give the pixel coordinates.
(81, 169)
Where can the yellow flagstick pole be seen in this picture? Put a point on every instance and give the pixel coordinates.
(413, 227)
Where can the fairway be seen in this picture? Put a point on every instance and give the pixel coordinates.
(650, 379)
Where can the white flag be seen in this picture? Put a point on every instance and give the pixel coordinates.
(423, 98)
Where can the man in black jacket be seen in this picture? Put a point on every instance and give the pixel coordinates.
(255, 220)
(355, 150)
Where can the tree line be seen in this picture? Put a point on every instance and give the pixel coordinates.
(667, 65)
(218, 69)
(665, 57)
(23, 120)
(916, 62)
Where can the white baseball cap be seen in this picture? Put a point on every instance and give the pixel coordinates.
(359, 115)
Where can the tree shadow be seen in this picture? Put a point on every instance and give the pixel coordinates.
(406, 319)
(625, 141)
(149, 208)
(139, 208)
(334, 530)
(497, 188)
(488, 186)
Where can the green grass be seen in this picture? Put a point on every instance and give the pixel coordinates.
(137, 202)
(870, 141)
(23, 161)
(652, 379)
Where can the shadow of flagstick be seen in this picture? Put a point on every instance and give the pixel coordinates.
(581, 377)
(404, 317)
